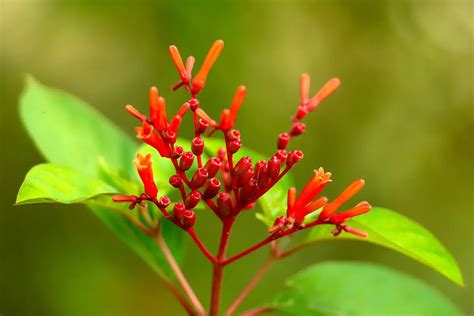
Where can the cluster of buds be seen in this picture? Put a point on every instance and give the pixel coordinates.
(226, 186)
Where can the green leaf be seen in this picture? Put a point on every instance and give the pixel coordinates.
(69, 132)
(95, 158)
(50, 183)
(273, 203)
(395, 231)
(356, 288)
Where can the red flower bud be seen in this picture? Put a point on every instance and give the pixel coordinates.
(349, 192)
(282, 155)
(224, 204)
(125, 198)
(170, 136)
(143, 164)
(197, 146)
(213, 165)
(186, 161)
(245, 177)
(199, 177)
(189, 65)
(194, 104)
(242, 165)
(193, 199)
(175, 123)
(291, 198)
(297, 129)
(202, 126)
(178, 211)
(133, 111)
(210, 189)
(189, 219)
(175, 181)
(234, 134)
(183, 109)
(221, 153)
(200, 112)
(294, 157)
(283, 140)
(234, 146)
(248, 191)
(157, 110)
(322, 94)
(199, 81)
(274, 165)
(177, 152)
(164, 201)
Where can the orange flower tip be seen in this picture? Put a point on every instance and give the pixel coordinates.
(237, 101)
(134, 112)
(124, 198)
(226, 120)
(143, 162)
(199, 81)
(189, 65)
(291, 197)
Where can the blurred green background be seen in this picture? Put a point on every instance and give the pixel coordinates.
(402, 119)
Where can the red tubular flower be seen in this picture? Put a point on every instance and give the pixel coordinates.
(294, 157)
(199, 81)
(237, 102)
(210, 189)
(234, 146)
(175, 181)
(245, 177)
(355, 231)
(183, 109)
(248, 191)
(193, 199)
(189, 65)
(178, 211)
(274, 166)
(149, 136)
(315, 205)
(200, 112)
(199, 178)
(124, 198)
(189, 219)
(164, 202)
(197, 146)
(291, 198)
(350, 191)
(177, 152)
(176, 57)
(175, 123)
(143, 164)
(242, 165)
(158, 110)
(322, 94)
(359, 209)
(304, 89)
(213, 166)
(310, 191)
(283, 140)
(186, 161)
(133, 111)
(297, 129)
(202, 126)
(226, 123)
(224, 204)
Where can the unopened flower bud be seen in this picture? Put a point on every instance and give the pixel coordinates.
(133, 111)
(197, 146)
(245, 177)
(355, 231)
(177, 152)
(226, 120)
(301, 112)
(193, 199)
(294, 157)
(175, 123)
(213, 165)
(282, 155)
(234, 134)
(235, 145)
(210, 189)
(189, 219)
(248, 191)
(178, 211)
(183, 109)
(164, 201)
(221, 153)
(261, 174)
(283, 140)
(199, 177)
(170, 136)
(202, 126)
(297, 129)
(186, 161)
(224, 204)
(175, 181)
(274, 165)
(194, 104)
(242, 165)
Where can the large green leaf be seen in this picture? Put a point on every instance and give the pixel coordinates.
(70, 133)
(395, 231)
(273, 203)
(50, 183)
(355, 288)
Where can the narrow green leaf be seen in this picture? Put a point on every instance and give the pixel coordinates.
(359, 289)
(395, 231)
(50, 183)
(69, 132)
(273, 203)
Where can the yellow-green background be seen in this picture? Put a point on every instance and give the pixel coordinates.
(402, 119)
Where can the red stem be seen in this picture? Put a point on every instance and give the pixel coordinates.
(257, 311)
(201, 246)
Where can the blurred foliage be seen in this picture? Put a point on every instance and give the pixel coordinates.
(402, 119)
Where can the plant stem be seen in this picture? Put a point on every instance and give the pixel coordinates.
(179, 274)
(257, 311)
(219, 267)
(181, 299)
(252, 283)
(201, 246)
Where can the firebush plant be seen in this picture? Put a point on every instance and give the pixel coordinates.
(154, 204)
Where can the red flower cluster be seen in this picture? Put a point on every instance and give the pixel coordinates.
(225, 185)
